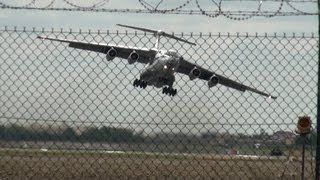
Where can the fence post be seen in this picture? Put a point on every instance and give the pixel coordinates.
(318, 128)
(318, 107)
(303, 154)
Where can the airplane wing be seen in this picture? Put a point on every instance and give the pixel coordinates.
(145, 55)
(186, 67)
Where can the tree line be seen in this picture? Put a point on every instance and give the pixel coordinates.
(15, 132)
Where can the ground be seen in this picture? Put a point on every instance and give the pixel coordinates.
(45, 164)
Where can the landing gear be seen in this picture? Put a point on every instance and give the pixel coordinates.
(139, 83)
(169, 90)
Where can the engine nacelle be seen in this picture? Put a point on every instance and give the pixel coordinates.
(111, 54)
(194, 73)
(213, 81)
(133, 57)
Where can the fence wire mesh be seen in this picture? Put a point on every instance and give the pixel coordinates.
(71, 114)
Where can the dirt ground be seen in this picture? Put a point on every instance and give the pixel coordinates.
(83, 165)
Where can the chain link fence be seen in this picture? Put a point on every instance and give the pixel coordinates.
(71, 114)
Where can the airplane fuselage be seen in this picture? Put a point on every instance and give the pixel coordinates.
(160, 72)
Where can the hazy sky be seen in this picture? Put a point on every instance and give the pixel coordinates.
(177, 23)
(81, 87)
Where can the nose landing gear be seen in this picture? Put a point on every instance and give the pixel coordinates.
(140, 83)
(169, 90)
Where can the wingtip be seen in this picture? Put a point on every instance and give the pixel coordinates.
(272, 97)
(122, 25)
(41, 37)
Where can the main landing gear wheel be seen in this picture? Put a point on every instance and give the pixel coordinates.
(139, 83)
(170, 91)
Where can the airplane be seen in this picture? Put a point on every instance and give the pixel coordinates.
(161, 65)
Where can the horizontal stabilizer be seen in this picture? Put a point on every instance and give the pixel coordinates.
(157, 32)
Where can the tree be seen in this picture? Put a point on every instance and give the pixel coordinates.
(69, 134)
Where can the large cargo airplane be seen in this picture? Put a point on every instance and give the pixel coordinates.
(161, 64)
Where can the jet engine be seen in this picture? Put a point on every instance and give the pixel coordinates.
(133, 57)
(111, 54)
(214, 80)
(194, 73)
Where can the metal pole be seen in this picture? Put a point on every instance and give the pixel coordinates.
(303, 152)
(318, 108)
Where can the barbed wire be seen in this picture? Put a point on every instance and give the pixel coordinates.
(94, 5)
(185, 7)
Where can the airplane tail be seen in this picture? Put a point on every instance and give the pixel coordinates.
(158, 34)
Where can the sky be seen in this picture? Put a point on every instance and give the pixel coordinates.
(84, 89)
(170, 23)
